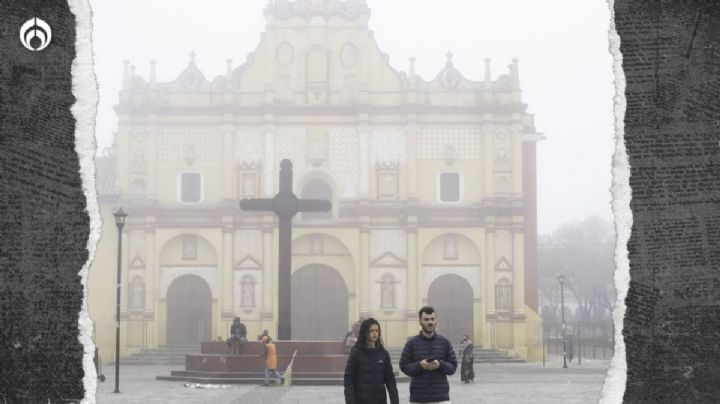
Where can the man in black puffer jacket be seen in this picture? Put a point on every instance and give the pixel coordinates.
(428, 358)
(369, 370)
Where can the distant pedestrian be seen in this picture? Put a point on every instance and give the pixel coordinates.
(238, 336)
(369, 369)
(349, 342)
(467, 374)
(428, 358)
(270, 355)
(356, 327)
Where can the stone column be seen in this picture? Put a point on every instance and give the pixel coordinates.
(489, 273)
(518, 273)
(414, 298)
(152, 281)
(269, 165)
(363, 160)
(488, 178)
(517, 158)
(268, 265)
(225, 270)
(364, 270)
(412, 133)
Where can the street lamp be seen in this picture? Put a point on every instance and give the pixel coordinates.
(561, 279)
(120, 217)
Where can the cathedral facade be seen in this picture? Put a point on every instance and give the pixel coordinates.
(432, 184)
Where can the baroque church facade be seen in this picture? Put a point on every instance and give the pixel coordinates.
(432, 184)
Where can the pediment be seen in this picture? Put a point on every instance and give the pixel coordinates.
(388, 259)
(137, 262)
(503, 265)
(248, 263)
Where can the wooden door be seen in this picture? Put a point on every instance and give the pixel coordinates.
(189, 311)
(319, 304)
(452, 298)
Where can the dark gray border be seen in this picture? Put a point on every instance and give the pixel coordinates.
(672, 326)
(44, 226)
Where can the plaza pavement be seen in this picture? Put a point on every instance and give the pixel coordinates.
(500, 383)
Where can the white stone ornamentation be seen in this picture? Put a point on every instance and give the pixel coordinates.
(248, 243)
(392, 241)
(503, 245)
(170, 273)
(388, 144)
(470, 273)
(466, 143)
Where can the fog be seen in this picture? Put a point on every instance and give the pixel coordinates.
(564, 66)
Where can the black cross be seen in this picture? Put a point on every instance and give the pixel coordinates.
(285, 205)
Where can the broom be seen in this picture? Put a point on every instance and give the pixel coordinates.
(287, 376)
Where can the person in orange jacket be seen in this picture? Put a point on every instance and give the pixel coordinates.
(270, 355)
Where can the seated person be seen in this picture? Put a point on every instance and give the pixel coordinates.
(238, 336)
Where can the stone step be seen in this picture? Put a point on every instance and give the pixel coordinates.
(298, 379)
(258, 374)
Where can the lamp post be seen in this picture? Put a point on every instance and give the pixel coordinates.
(120, 217)
(561, 279)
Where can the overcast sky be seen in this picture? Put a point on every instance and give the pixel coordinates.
(562, 46)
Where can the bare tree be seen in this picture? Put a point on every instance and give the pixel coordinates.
(583, 252)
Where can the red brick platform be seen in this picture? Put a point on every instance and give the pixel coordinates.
(316, 363)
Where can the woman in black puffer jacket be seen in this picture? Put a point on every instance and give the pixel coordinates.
(369, 370)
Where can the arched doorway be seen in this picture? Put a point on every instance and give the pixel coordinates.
(452, 297)
(189, 311)
(319, 304)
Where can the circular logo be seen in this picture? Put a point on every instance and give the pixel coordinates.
(35, 34)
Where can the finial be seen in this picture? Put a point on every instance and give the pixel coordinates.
(126, 73)
(514, 74)
(192, 58)
(153, 78)
(132, 71)
(488, 74)
(229, 66)
(411, 73)
(449, 59)
(488, 83)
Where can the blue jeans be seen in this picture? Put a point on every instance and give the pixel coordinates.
(268, 372)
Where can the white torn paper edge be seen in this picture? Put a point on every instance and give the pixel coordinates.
(207, 386)
(84, 88)
(614, 387)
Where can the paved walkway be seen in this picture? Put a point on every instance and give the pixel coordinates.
(506, 383)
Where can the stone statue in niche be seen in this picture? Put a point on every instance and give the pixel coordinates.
(502, 160)
(249, 184)
(387, 292)
(316, 244)
(451, 248)
(138, 163)
(189, 251)
(247, 292)
(388, 184)
(503, 296)
(137, 293)
(502, 185)
(317, 151)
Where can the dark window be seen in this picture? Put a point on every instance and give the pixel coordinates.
(449, 187)
(190, 187)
